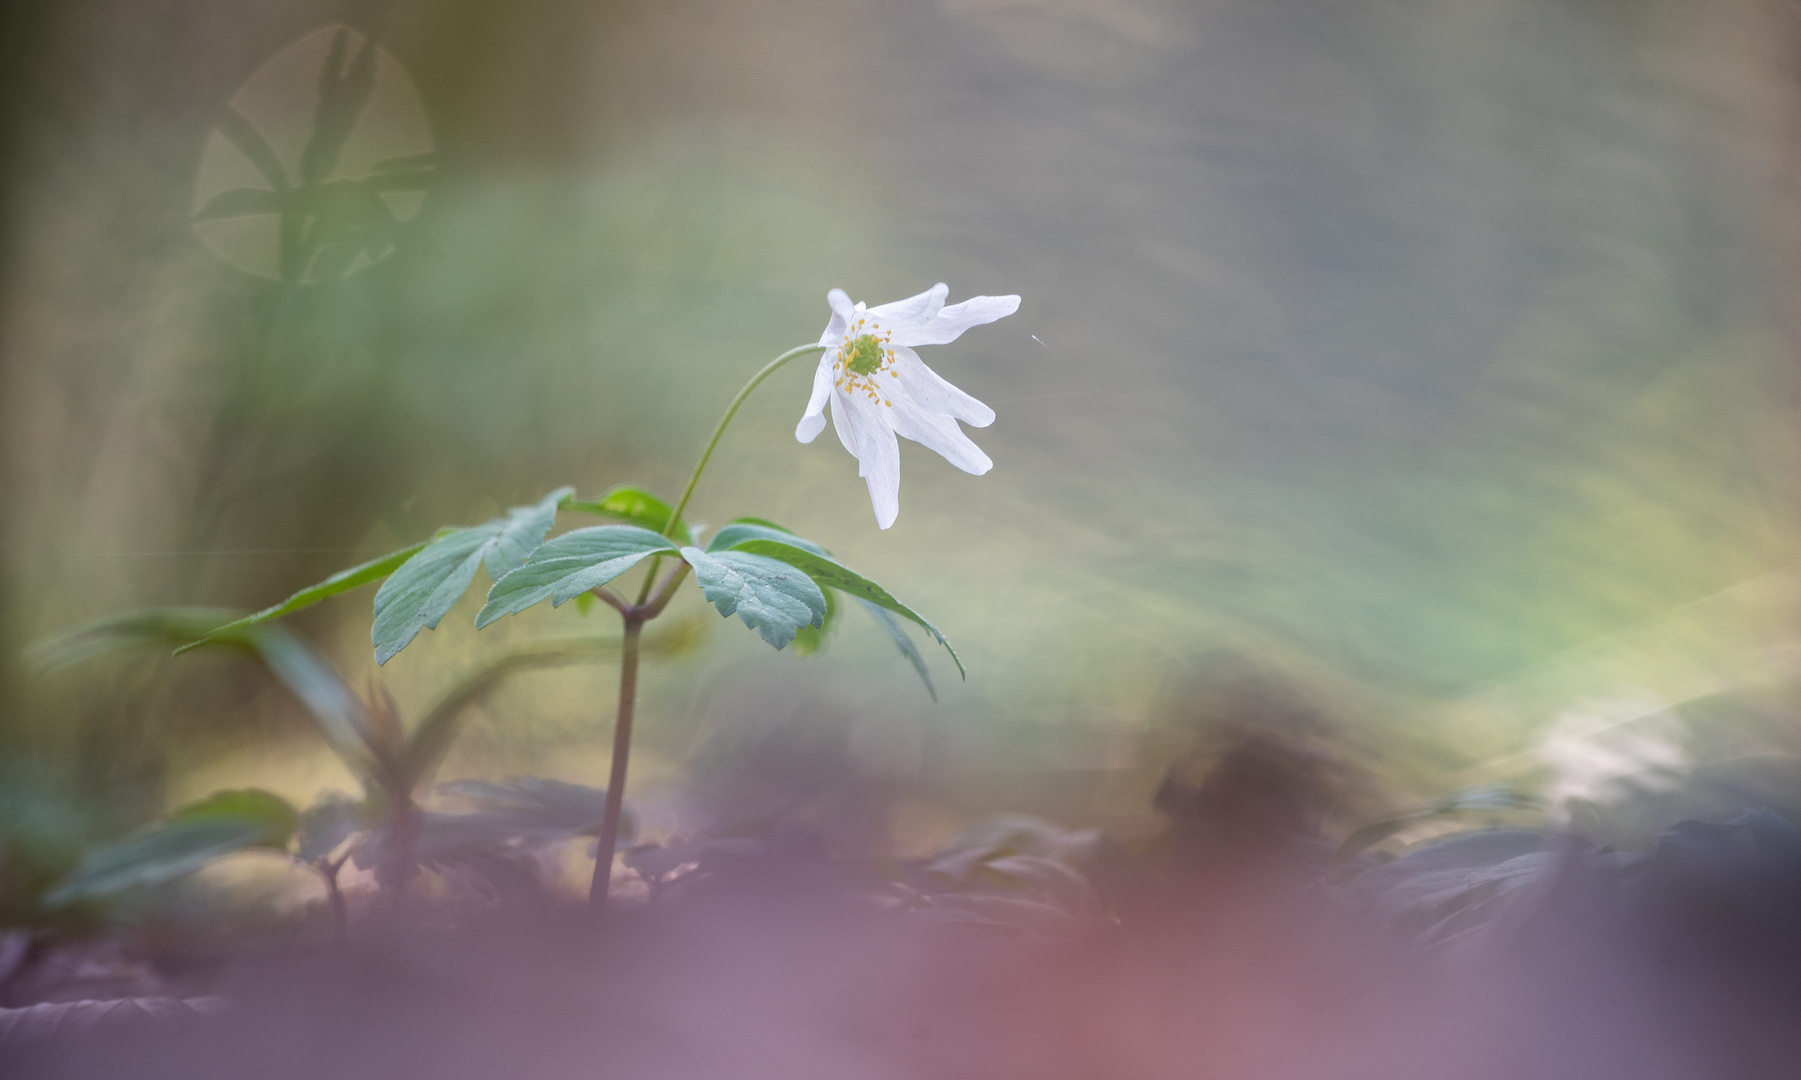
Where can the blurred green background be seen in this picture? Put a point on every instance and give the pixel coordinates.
(1436, 358)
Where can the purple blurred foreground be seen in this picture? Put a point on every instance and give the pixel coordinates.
(1245, 962)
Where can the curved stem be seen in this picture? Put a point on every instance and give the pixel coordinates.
(730, 411)
(706, 455)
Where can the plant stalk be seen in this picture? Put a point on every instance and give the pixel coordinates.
(622, 748)
(635, 616)
(706, 455)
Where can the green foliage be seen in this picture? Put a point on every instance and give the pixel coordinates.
(342, 581)
(635, 506)
(742, 530)
(810, 639)
(276, 815)
(423, 589)
(222, 824)
(570, 565)
(154, 627)
(892, 625)
(771, 596)
(832, 574)
(337, 713)
(324, 826)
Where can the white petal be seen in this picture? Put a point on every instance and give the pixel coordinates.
(864, 426)
(914, 309)
(812, 422)
(930, 392)
(949, 323)
(882, 474)
(938, 432)
(844, 422)
(841, 317)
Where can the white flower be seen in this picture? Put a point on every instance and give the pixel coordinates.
(879, 388)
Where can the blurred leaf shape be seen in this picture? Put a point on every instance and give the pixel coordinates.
(332, 819)
(338, 714)
(316, 163)
(35, 1024)
(195, 835)
(1489, 798)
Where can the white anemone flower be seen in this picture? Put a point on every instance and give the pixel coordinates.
(879, 388)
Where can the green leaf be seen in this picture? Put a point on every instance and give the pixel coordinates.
(337, 712)
(769, 595)
(634, 505)
(327, 823)
(342, 581)
(742, 530)
(158, 854)
(426, 586)
(889, 623)
(570, 565)
(829, 573)
(275, 814)
(810, 639)
(438, 727)
(160, 627)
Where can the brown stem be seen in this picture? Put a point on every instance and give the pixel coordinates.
(622, 748)
(340, 914)
(403, 836)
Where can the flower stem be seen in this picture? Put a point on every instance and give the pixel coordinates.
(622, 748)
(636, 615)
(706, 455)
(730, 411)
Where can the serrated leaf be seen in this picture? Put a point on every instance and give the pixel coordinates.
(810, 639)
(342, 581)
(327, 823)
(632, 504)
(158, 854)
(275, 814)
(426, 586)
(570, 565)
(832, 574)
(771, 596)
(742, 530)
(889, 623)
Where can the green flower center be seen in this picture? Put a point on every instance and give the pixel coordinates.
(864, 356)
